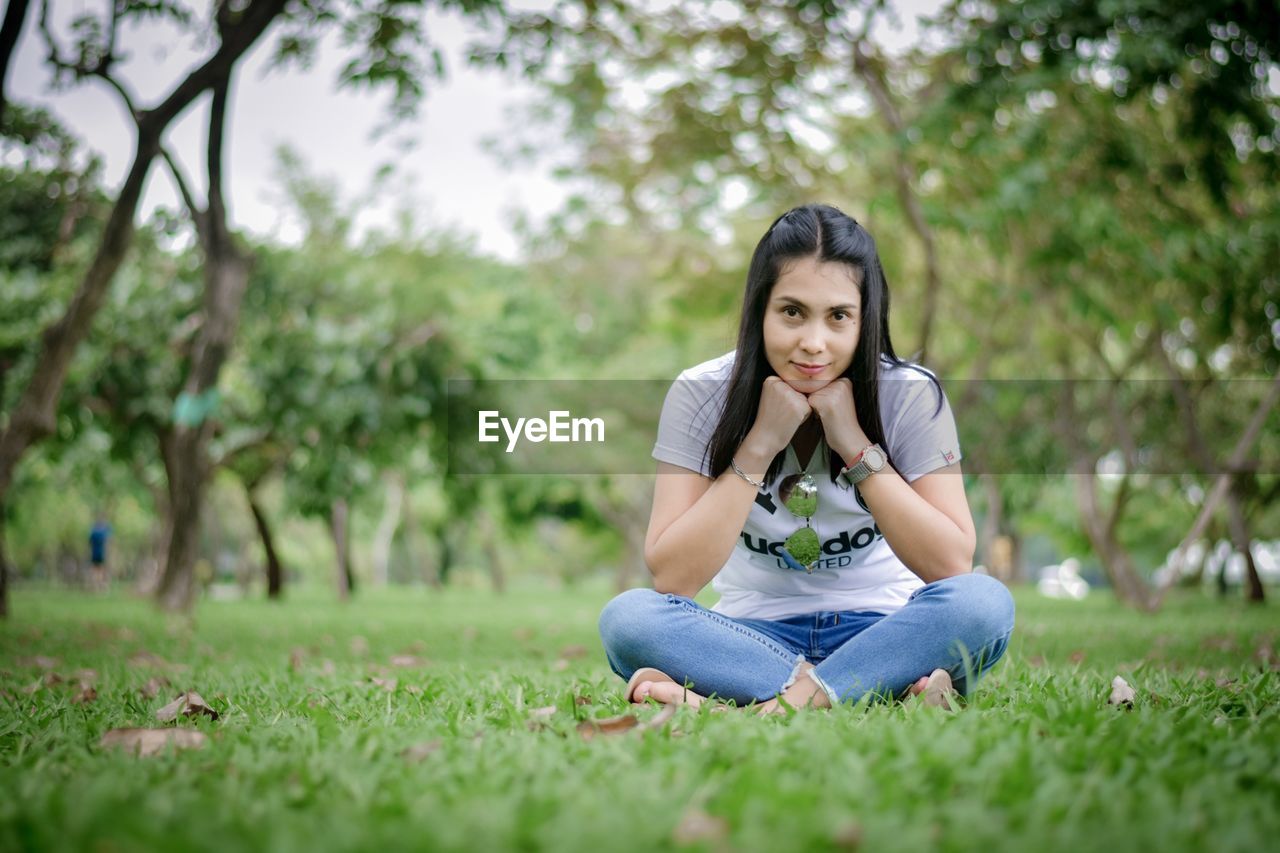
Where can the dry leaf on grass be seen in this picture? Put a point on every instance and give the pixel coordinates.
(696, 826)
(543, 713)
(608, 726)
(296, 656)
(152, 688)
(420, 751)
(574, 651)
(661, 718)
(87, 694)
(387, 684)
(189, 704)
(407, 661)
(1077, 656)
(146, 742)
(359, 646)
(848, 836)
(560, 665)
(38, 661)
(1121, 693)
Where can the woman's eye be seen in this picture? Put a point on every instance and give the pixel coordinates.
(840, 315)
(790, 308)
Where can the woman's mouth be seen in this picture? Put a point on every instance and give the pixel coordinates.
(809, 370)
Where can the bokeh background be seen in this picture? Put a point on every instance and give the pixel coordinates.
(245, 248)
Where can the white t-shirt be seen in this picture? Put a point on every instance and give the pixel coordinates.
(857, 569)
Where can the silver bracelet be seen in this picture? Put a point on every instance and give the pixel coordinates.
(742, 474)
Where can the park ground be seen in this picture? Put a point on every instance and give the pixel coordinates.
(460, 720)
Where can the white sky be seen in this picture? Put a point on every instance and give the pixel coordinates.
(452, 181)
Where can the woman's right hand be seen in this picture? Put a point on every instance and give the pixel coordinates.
(782, 410)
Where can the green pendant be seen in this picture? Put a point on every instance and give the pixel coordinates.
(804, 548)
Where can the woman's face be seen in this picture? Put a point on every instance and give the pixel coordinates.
(812, 319)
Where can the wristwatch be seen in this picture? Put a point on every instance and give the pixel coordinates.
(866, 463)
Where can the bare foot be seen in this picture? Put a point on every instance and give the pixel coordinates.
(667, 693)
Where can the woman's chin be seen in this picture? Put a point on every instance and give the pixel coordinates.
(807, 385)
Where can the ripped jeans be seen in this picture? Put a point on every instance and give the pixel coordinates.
(961, 624)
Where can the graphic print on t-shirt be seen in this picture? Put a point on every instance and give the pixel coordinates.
(838, 551)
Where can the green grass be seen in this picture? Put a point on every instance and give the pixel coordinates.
(311, 758)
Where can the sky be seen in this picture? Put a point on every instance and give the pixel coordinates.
(445, 174)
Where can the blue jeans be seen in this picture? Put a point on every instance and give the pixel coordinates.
(960, 624)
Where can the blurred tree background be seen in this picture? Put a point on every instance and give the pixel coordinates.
(1076, 204)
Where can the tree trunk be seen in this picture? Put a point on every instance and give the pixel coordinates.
(32, 418)
(226, 276)
(4, 567)
(15, 13)
(490, 535)
(339, 529)
(1242, 538)
(904, 174)
(1116, 562)
(388, 524)
(275, 579)
(431, 572)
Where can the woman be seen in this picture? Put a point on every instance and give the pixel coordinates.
(815, 478)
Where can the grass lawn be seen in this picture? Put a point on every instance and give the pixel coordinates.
(447, 748)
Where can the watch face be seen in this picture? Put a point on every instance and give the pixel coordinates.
(875, 458)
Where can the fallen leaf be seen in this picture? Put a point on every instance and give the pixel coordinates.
(189, 704)
(420, 751)
(327, 667)
(661, 718)
(417, 647)
(574, 651)
(387, 684)
(697, 826)
(848, 837)
(608, 726)
(359, 646)
(560, 665)
(152, 688)
(39, 661)
(1220, 643)
(87, 694)
(85, 676)
(49, 679)
(407, 661)
(582, 700)
(146, 658)
(296, 656)
(414, 689)
(145, 742)
(1121, 693)
(1077, 656)
(1266, 656)
(543, 713)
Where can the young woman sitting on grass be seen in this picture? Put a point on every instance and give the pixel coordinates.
(814, 478)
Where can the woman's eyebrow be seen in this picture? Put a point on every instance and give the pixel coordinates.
(793, 301)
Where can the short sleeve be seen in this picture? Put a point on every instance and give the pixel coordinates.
(923, 435)
(687, 422)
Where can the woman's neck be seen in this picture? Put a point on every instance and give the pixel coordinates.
(805, 441)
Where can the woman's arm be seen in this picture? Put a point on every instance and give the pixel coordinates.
(696, 522)
(927, 523)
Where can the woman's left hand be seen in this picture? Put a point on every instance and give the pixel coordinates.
(835, 408)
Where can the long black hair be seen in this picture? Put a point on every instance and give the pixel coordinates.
(827, 234)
